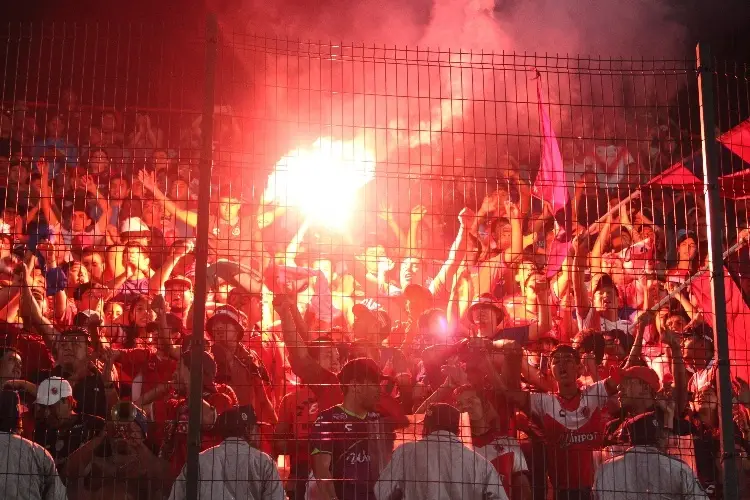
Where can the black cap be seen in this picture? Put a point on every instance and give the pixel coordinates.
(642, 430)
(76, 331)
(236, 421)
(361, 370)
(442, 417)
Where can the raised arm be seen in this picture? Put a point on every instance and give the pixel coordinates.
(149, 182)
(581, 300)
(415, 219)
(179, 250)
(293, 248)
(31, 310)
(300, 360)
(45, 200)
(93, 189)
(386, 214)
(680, 393)
(456, 254)
(601, 241)
(693, 312)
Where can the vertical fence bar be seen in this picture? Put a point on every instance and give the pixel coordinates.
(714, 221)
(201, 260)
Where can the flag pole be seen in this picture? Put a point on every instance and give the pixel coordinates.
(714, 226)
(593, 227)
(700, 272)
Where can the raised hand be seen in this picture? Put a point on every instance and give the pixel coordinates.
(181, 248)
(417, 214)
(158, 304)
(48, 251)
(385, 212)
(148, 179)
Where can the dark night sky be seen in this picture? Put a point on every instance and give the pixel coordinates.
(723, 23)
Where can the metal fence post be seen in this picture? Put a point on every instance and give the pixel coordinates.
(714, 223)
(201, 260)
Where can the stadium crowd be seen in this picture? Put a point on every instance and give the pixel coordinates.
(523, 360)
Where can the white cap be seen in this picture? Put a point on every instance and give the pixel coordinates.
(134, 225)
(53, 390)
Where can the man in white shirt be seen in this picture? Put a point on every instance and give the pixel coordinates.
(236, 468)
(28, 471)
(645, 470)
(439, 466)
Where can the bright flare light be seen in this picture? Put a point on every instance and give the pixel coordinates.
(322, 181)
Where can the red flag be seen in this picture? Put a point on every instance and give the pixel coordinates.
(550, 183)
(738, 320)
(735, 186)
(738, 140)
(679, 177)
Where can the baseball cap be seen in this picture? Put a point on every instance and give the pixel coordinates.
(644, 374)
(684, 234)
(442, 416)
(361, 370)
(52, 390)
(228, 313)
(134, 225)
(73, 332)
(236, 420)
(179, 279)
(83, 318)
(486, 300)
(642, 430)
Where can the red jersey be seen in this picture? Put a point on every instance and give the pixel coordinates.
(35, 355)
(573, 430)
(504, 453)
(171, 419)
(300, 409)
(152, 368)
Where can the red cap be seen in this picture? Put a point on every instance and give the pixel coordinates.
(644, 374)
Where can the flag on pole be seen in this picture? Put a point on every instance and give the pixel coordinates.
(550, 183)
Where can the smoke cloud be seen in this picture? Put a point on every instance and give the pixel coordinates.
(460, 108)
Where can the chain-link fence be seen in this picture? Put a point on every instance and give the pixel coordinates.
(247, 267)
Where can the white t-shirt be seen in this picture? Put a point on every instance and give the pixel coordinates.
(644, 473)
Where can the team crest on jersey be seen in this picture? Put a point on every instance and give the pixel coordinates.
(585, 412)
(500, 449)
(215, 231)
(236, 231)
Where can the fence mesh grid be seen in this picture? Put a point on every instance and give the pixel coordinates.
(430, 273)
